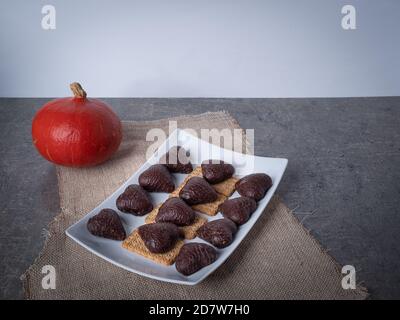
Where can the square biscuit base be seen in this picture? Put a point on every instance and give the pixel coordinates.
(210, 208)
(151, 217)
(227, 187)
(189, 232)
(135, 244)
(197, 172)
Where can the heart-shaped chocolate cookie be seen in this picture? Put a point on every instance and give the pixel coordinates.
(134, 200)
(239, 209)
(218, 232)
(215, 171)
(197, 190)
(107, 224)
(176, 211)
(159, 237)
(177, 160)
(254, 185)
(194, 256)
(157, 178)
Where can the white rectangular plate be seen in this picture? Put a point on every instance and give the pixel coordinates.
(200, 150)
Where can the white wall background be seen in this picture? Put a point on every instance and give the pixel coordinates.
(200, 48)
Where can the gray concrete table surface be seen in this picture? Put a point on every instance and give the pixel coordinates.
(343, 177)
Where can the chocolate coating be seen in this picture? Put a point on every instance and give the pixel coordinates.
(134, 200)
(239, 209)
(177, 160)
(197, 190)
(215, 171)
(157, 178)
(219, 232)
(107, 224)
(159, 237)
(176, 211)
(193, 257)
(254, 185)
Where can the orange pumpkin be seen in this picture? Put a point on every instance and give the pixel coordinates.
(76, 131)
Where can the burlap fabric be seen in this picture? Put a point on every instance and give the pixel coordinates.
(277, 260)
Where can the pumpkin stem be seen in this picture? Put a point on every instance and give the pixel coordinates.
(77, 90)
